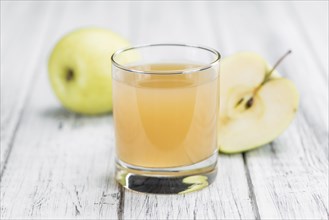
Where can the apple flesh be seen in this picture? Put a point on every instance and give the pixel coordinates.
(80, 69)
(251, 113)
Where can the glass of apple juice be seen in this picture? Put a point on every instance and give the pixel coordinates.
(165, 109)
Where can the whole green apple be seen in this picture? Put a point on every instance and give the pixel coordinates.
(80, 69)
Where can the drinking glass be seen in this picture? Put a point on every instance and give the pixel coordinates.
(165, 109)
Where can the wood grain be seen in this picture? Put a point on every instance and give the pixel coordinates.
(225, 199)
(61, 164)
(19, 41)
(314, 31)
(56, 164)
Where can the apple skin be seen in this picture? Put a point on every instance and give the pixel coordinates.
(274, 108)
(80, 69)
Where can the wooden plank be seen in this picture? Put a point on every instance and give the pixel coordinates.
(171, 23)
(61, 164)
(229, 196)
(313, 90)
(19, 40)
(312, 18)
(300, 187)
(289, 176)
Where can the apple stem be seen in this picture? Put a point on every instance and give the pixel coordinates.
(267, 77)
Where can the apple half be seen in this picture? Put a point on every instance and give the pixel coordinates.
(256, 104)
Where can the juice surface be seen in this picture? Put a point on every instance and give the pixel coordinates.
(165, 120)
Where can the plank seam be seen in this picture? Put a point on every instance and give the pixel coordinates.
(11, 143)
(252, 195)
(121, 202)
(25, 98)
(20, 116)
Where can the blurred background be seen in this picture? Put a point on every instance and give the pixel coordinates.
(30, 29)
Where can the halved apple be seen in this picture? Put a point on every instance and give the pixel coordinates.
(256, 104)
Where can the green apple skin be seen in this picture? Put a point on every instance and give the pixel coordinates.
(80, 69)
(274, 108)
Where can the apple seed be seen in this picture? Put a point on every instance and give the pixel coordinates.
(250, 102)
(267, 78)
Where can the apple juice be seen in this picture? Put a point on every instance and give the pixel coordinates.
(165, 119)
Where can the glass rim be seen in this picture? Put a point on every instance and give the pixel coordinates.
(187, 71)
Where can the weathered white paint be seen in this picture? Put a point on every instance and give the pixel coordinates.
(289, 176)
(314, 34)
(227, 198)
(21, 46)
(61, 165)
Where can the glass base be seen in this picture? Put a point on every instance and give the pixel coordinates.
(176, 180)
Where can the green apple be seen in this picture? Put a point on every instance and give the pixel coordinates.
(80, 69)
(256, 104)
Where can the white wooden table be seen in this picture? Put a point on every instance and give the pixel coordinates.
(56, 164)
